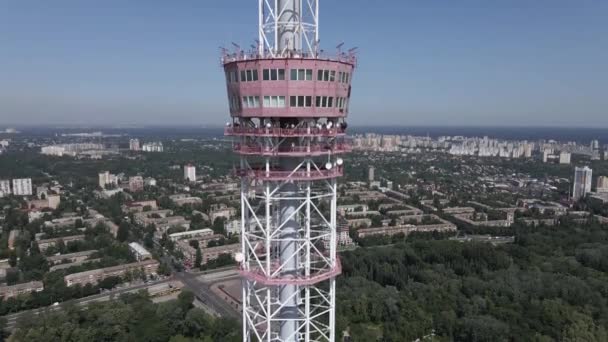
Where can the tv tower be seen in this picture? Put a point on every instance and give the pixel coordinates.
(288, 103)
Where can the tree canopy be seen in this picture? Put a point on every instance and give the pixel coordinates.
(551, 284)
(133, 317)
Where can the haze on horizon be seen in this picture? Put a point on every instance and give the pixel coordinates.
(504, 62)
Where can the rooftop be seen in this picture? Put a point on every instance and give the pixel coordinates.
(70, 255)
(139, 249)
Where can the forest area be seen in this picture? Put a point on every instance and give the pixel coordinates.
(549, 285)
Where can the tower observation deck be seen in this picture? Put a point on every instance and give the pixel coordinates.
(288, 105)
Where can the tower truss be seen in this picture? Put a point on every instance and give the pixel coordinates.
(286, 26)
(288, 108)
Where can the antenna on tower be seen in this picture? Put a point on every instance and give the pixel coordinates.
(288, 25)
(257, 46)
(237, 48)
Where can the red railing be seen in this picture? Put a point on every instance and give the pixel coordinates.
(284, 132)
(259, 275)
(238, 56)
(292, 175)
(293, 150)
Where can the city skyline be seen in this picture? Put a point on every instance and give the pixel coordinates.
(515, 63)
(166, 176)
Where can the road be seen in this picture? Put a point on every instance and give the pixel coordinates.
(201, 289)
(12, 319)
(203, 292)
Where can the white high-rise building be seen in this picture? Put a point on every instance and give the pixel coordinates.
(528, 150)
(564, 157)
(22, 187)
(546, 154)
(602, 184)
(190, 173)
(106, 178)
(134, 145)
(54, 150)
(5, 187)
(153, 147)
(582, 182)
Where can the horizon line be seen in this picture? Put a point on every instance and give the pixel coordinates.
(352, 126)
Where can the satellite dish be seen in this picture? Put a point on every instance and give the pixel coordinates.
(328, 165)
(339, 161)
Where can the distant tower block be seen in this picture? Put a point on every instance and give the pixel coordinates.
(190, 173)
(582, 182)
(371, 172)
(288, 103)
(564, 157)
(134, 145)
(602, 184)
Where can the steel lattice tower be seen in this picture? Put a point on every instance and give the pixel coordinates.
(288, 103)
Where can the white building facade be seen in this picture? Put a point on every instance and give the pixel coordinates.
(134, 145)
(5, 188)
(22, 187)
(153, 147)
(582, 182)
(106, 178)
(190, 173)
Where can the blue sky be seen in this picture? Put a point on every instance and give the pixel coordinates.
(427, 62)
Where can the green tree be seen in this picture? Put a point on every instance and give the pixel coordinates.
(12, 258)
(181, 338)
(376, 221)
(164, 269)
(185, 300)
(197, 320)
(60, 246)
(218, 225)
(109, 282)
(123, 231)
(149, 240)
(198, 258)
